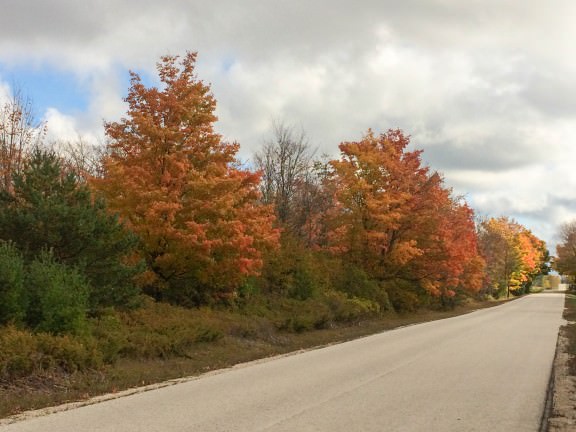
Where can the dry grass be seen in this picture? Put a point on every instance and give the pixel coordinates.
(226, 342)
(569, 329)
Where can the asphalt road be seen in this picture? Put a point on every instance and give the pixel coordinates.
(484, 371)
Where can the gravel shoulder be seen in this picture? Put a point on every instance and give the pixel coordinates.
(562, 415)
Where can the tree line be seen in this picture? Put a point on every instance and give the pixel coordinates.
(166, 211)
(565, 261)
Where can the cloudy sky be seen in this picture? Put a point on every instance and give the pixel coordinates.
(487, 88)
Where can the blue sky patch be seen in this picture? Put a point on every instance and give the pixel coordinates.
(47, 87)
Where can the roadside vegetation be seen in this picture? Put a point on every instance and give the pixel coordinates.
(160, 255)
(561, 415)
(570, 329)
(147, 347)
(565, 263)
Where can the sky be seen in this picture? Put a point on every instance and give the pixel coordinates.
(486, 88)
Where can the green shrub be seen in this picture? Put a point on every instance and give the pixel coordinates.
(288, 314)
(294, 271)
(248, 289)
(58, 297)
(110, 333)
(12, 295)
(51, 208)
(324, 311)
(354, 309)
(305, 283)
(354, 281)
(403, 295)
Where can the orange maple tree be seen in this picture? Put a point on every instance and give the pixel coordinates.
(176, 183)
(375, 182)
(450, 260)
(532, 253)
(396, 220)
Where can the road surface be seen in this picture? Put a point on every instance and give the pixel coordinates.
(484, 371)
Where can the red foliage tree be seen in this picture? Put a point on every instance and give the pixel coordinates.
(397, 221)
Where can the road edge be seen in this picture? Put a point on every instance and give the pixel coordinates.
(544, 420)
(560, 412)
(41, 412)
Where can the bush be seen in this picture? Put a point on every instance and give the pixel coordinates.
(305, 283)
(297, 316)
(354, 281)
(110, 334)
(354, 309)
(403, 295)
(23, 353)
(294, 271)
(162, 330)
(323, 311)
(58, 297)
(12, 295)
(68, 353)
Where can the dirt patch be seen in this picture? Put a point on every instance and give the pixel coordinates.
(562, 417)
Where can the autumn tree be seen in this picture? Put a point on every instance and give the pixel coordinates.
(533, 256)
(19, 133)
(451, 261)
(498, 246)
(396, 220)
(513, 255)
(375, 181)
(565, 262)
(176, 184)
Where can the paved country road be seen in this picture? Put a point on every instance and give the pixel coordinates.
(484, 371)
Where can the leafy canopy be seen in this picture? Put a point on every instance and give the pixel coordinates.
(176, 184)
(397, 221)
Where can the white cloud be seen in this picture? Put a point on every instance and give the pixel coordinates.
(65, 128)
(484, 86)
(5, 92)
